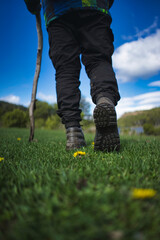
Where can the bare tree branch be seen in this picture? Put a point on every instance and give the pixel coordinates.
(36, 76)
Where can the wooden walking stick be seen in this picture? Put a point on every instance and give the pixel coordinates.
(36, 76)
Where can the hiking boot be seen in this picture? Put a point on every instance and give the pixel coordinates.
(107, 136)
(75, 138)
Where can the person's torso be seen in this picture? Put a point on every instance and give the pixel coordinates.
(55, 8)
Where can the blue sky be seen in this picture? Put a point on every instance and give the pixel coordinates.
(136, 60)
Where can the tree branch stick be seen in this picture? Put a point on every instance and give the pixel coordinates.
(36, 76)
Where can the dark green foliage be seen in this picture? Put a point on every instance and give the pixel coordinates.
(43, 110)
(47, 194)
(39, 123)
(87, 124)
(16, 118)
(149, 129)
(157, 131)
(12, 115)
(45, 115)
(53, 122)
(9, 107)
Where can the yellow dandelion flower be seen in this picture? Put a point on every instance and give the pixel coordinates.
(1, 159)
(92, 143)
(18, 139)
(143, 193)
(79, 153)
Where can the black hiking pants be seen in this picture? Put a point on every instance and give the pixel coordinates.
(86, 33)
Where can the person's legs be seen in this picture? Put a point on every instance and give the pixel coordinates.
(97, 49)
(89, 33)
(64, 53)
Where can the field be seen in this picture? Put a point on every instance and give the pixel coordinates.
(48, 194)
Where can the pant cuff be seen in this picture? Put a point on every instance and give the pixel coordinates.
(72, 124)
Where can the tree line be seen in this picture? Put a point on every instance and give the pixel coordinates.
(12, 115)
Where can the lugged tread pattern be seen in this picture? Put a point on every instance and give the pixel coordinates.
(104, 115)
(107, 136)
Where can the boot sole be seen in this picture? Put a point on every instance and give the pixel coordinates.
(107, 137)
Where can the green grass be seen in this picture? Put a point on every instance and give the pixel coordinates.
(46, 193)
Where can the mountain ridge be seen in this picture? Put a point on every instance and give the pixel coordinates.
(139, 118)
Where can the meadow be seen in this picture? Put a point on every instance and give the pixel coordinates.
(48, 194)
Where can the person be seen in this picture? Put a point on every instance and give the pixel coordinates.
(81, 28)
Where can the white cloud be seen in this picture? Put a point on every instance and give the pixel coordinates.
(139, 102)
(47, 98)
(138, 59)
(154, 84)
(11, 99)
(136, 103)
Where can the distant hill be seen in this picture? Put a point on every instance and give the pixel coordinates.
(8, 107)
(139, 118)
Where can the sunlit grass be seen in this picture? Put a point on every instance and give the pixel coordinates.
(47, 193)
